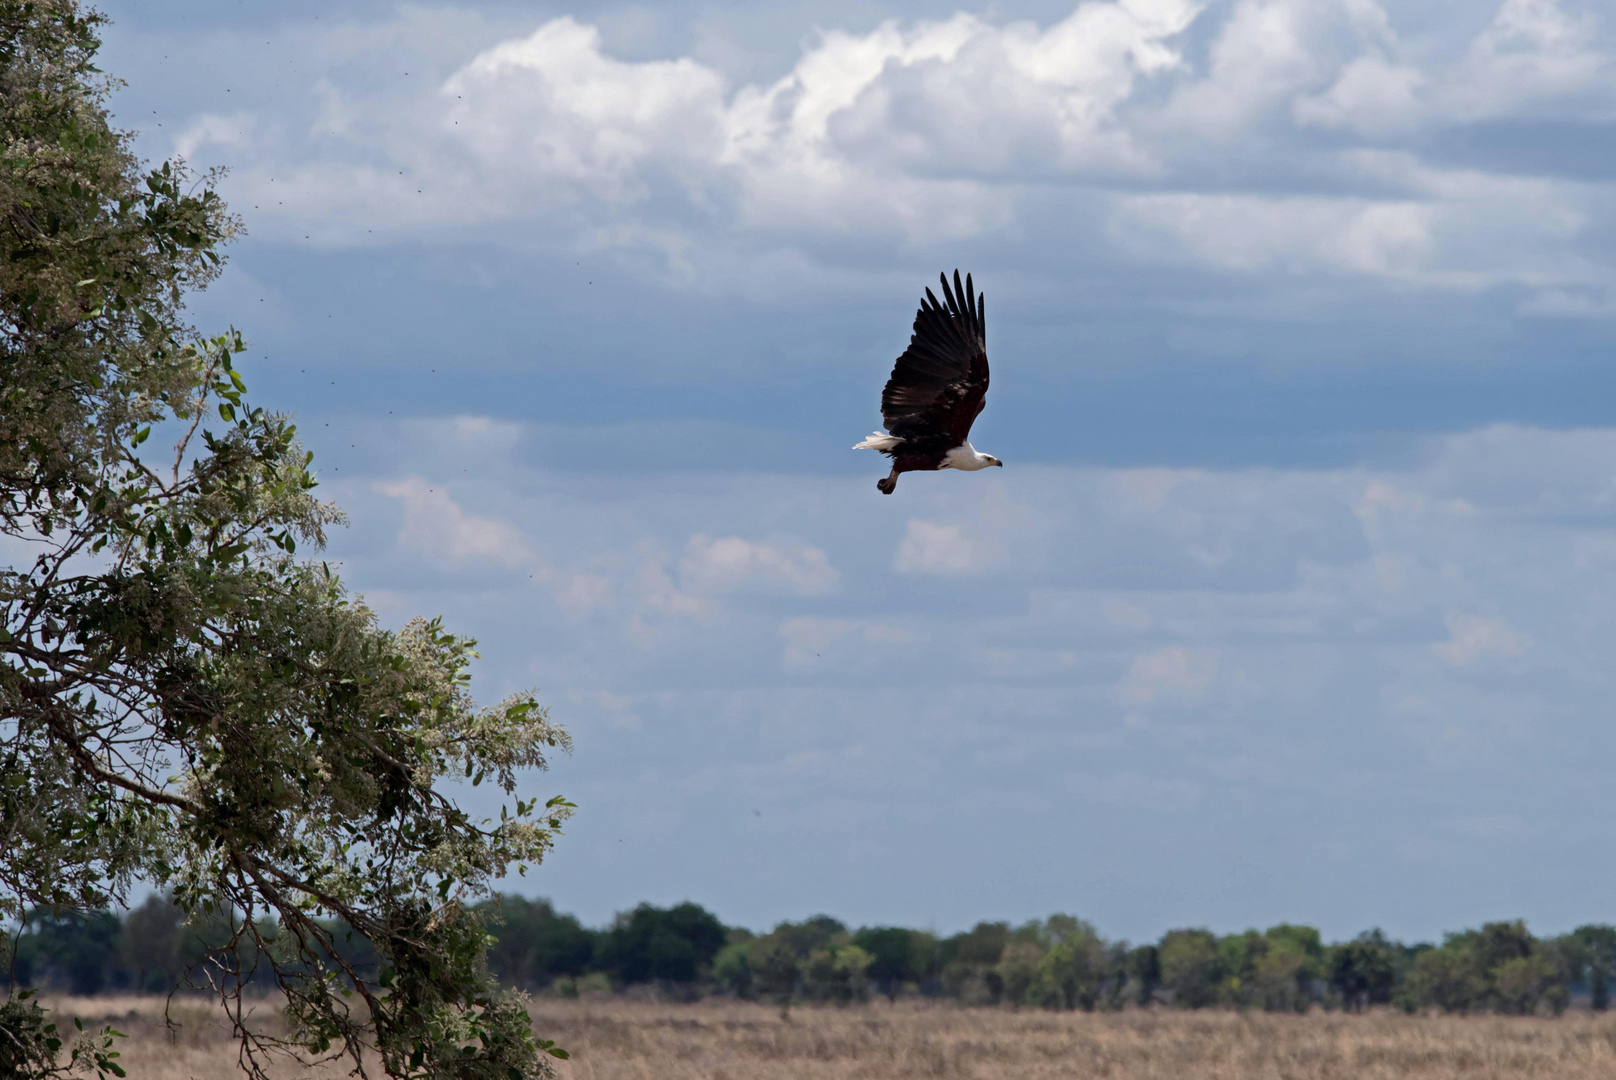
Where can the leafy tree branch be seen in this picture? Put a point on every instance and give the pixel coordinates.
(184, 700)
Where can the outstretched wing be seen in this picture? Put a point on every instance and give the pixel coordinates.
(940, 382)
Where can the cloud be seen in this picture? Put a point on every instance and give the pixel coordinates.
(1463, 231)
(1106, 128)
(843, 141)
(655, 590)
(1263, 54)
(1475, 637)
(582, 593)
(554, 106)
(1304, 645)
(1122, 613)
(1533, 51)
(436, 525)
(616, 709)
(1254, 232)
(930, 547)
(1371, 96)
(209, 129)
(1173, 674)
(729, 563)
(808, 639)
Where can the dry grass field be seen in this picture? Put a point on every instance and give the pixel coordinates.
(613, 1040)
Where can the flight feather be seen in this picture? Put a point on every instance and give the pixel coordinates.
(939, 384)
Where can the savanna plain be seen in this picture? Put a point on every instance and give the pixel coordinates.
(719, 1040)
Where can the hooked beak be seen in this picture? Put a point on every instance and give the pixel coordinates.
(999, 463)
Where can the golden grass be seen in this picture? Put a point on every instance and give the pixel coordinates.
(199, 1048)
(618, 1040)
(742, 1042)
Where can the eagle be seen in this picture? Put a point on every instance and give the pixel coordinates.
(938, 387)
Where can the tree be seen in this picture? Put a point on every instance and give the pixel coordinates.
(533, 944)
(1448, 977)
(1283, 976)
(150, 945)
(1521, 982)
(672, 945)
(1190, 967)
(1237, 957)
(812, 933)
(1500, 966)
(77, 945)
(1143, 965)
(892, 960)
(969, 963)
(1363, 970)
(815, 959)
(183, 699)
(1592, 949)
(776, 970)
(838, 973)
(732, 968)
(1017, 970)
(1073, 973)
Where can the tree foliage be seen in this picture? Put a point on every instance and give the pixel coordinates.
(1363, 971)
(893, 959)
(1590, 952)
(1056, 963)
(182, 698)
(1499, 968)
(533, 944)
(651, 944)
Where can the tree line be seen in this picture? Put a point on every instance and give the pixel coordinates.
(1061, 962)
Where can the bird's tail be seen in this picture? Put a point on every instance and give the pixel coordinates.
(878, 441)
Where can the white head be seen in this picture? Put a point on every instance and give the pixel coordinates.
(966, 459)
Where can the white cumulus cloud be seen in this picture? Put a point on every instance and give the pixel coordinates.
(806, 639)
(1476, 636)
(930, 547)
(727, 563)
(436, 525)
(1108, 128)
(1172, 674)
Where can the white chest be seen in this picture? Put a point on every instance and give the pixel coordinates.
(965, 458)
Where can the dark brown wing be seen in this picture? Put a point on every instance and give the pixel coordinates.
(939, 384)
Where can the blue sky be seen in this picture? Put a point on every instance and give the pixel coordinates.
(1296, 597)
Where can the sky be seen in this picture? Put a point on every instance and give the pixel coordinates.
(1296, 597)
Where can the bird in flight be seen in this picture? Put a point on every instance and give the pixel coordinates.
(938, 387)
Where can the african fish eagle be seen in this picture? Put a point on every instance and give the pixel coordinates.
(938, 387)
